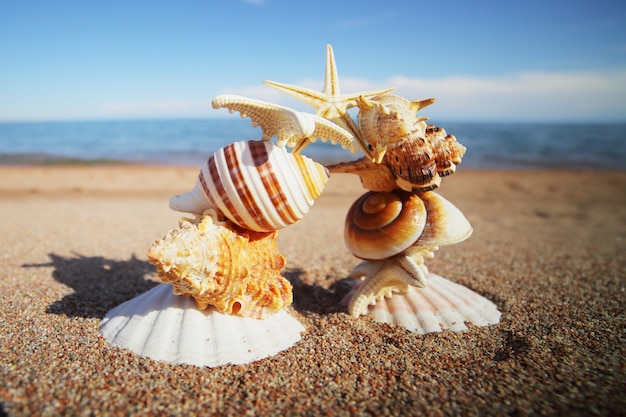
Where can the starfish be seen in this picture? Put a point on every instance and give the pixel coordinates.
(331, 104)
(385, 277)
(292, 128)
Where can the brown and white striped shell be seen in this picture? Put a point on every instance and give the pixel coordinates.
(255, 184)
(380, 225)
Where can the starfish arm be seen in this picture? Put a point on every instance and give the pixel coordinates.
(415, 271)
(332, 105)
(329, 131)
(387, 279)
(288, 125)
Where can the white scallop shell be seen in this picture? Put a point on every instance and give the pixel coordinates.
(257, 185)
(167, 327)
(443, 304)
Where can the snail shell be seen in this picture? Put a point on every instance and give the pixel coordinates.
(255, 184)
(380, 225)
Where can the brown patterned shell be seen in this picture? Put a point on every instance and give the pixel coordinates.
(383, 224)
(380, 225)
(413, 164)
(446, 150)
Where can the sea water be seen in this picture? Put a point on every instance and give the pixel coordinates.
(191, 142)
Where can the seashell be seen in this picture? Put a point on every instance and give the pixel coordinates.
(163, 326)
(219, 264)
(445, 224)
(380, 225)
(443, 304)
(415, 164)
(390, 119)
(447, 151)
(256, 185)
(416, 154)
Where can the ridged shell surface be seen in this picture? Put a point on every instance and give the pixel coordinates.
(443, 304)
(163, 326)
(388, 119)
(413, 164)
(222, 265)
(382, 224)
(257, 185)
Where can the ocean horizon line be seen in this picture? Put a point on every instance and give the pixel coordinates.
(191, 141)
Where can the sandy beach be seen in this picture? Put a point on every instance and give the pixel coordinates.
(548, 248)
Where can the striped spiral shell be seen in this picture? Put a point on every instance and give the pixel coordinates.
(255, 184)
(380, 225)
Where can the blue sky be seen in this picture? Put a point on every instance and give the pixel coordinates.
(482, 60)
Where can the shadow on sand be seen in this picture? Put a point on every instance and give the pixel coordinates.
(309, 298)
(99, 284)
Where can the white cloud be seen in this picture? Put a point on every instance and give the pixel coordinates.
(526, 96)
(536, 96)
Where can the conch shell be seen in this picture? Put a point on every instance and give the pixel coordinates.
(219, 264)
(388, 119)
(413, 156)
(255, 184)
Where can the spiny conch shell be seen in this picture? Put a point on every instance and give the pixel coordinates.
(163, 326)
(380, 225)
(415, 164)
(257, 185)
(389, 119)
(219, 264)
(443, 304)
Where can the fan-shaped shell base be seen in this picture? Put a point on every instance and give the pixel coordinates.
(167, 327)
(443, 304)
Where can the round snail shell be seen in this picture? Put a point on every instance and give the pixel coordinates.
(255, 184)
(382, 224)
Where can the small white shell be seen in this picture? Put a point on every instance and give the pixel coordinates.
(443, 304)
(167, 327)
(257, 185)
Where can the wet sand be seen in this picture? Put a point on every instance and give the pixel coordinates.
(548, 248)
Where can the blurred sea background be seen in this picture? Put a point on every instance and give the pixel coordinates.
(599, 146)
